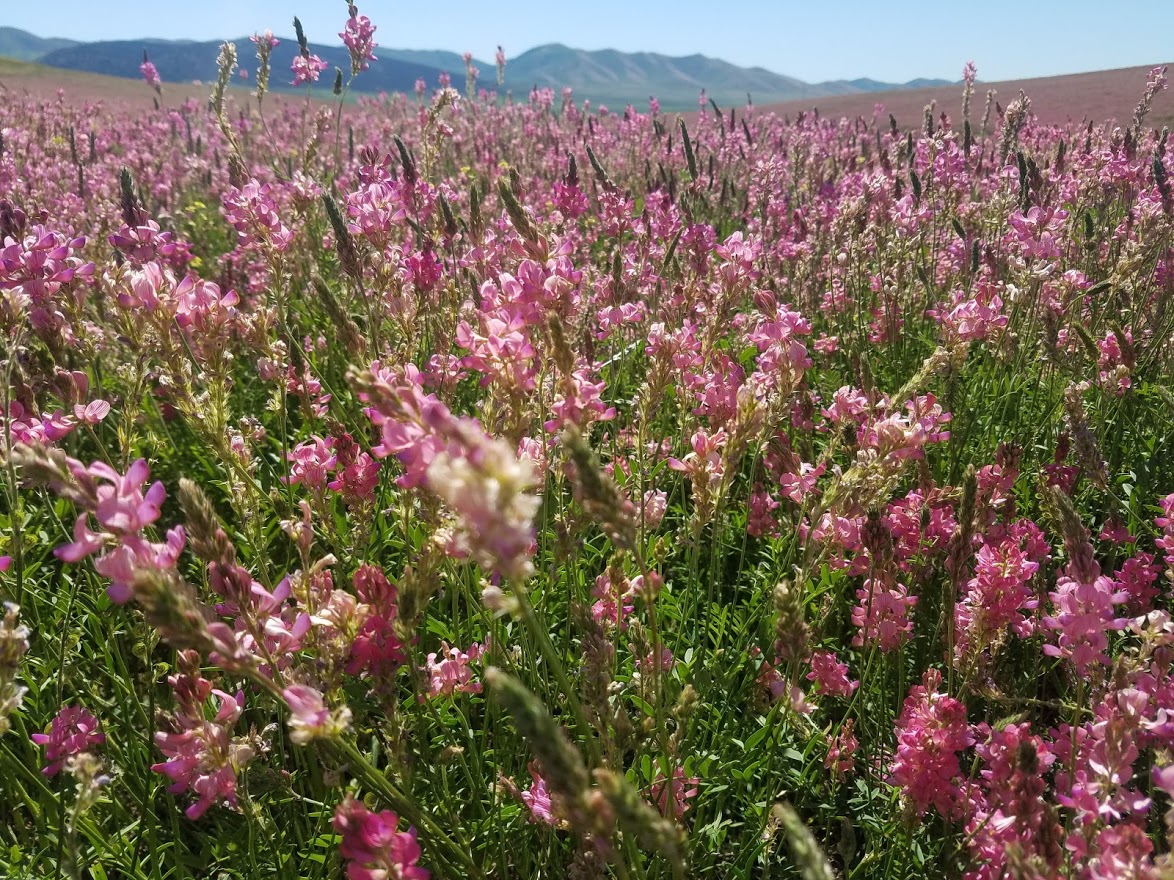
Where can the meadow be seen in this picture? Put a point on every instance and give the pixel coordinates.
(462, 485)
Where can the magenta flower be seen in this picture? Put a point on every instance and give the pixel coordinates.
(931, 731)
(74, 730)
(357, 473)
(37, 268)
(92, 413)
(311, 463)
(266, 39)
(449, 671)
(358, 36)
(841, 756)
(203, 756)
(373, 848)
(999, 595)
(681, 789)
(306, 69)
(1083, 616)
(150, 73)
(830, 675)
(882, 615)
(613, 601)
(122, 511)
(477, 475)
(251, 209)
(537, 798)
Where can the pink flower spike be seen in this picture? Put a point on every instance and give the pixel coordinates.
(537, 799)
(150, 73)
(830, 675)
(73, 731)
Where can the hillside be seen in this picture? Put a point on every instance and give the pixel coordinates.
(183, 62)
(23, 46)
(604, 76)
(1099, 95)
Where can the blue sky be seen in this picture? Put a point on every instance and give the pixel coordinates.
(826, 39)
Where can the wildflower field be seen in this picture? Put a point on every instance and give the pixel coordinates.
(462, 485)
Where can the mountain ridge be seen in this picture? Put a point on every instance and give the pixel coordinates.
(603, 76)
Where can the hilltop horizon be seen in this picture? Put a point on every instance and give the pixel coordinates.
(605, 76)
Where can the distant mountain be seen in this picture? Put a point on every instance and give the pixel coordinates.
(871, 85)
(452, 62)
(186, 61)
(23, 46)
(603, 76)
(621, 77)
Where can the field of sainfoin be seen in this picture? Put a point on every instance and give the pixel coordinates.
(472, 486)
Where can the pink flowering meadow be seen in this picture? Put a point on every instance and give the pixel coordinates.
(496, 486)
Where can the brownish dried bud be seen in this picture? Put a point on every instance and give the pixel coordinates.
(598, 493)
(562, 765)
(205, 535)
(636, 817)
(1088, 450)
(519, 215)
(790, 624)
(808, 857)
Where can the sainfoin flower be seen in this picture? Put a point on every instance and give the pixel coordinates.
(203, 757)
(359, 38)
(122, 511)
(478, 476)
(1083, 616)
(841, 756)
(492, 491)
(373, 847)
(681, 789)
(449, 672)
(73, 730)
(830, 675)
(14, 644)
(150, 73)
(309, 716)
(882, 614)
(92, 413)
(537, 799)
(931, 731)
(306, 69)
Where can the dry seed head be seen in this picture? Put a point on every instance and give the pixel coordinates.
(1065, 520)
(518, 214)
(561, 763)
(14, 644)
(171, 606)
(225, 65)
(205, 535)
(790, 626)
(809, 859)
(1086, 447)
(49, 465)
(636, 817)
(599, 494)
(344, 245)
